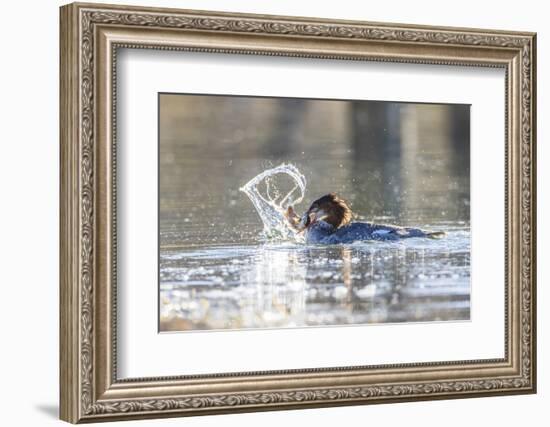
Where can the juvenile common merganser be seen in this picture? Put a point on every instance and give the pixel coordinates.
(328, 221)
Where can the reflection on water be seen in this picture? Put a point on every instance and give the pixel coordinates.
(278, 285)
(397, 163)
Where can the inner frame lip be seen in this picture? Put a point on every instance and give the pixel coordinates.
(484, 362)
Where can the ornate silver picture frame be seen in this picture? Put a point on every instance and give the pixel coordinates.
(91, 37)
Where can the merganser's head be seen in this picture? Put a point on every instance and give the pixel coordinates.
(331, 209)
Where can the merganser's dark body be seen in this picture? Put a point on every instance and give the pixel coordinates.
(328, 221)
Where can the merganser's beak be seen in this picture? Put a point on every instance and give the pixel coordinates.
(305, 221)
(311, 217)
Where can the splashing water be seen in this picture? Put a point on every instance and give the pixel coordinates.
(279, 282)
(271, 201)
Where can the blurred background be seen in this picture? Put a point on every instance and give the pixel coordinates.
(401, 163)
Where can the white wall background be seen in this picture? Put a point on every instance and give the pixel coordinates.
(29, 170)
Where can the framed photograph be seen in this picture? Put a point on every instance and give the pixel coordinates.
(265, 212)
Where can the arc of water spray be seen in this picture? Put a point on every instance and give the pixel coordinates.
(270, 208)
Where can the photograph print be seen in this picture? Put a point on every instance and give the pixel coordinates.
(292, 213)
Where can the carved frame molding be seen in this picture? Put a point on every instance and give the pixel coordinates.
(90, 37)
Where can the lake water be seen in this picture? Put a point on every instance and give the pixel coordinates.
(218, 271)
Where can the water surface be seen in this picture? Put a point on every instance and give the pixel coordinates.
(406, 164)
